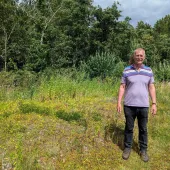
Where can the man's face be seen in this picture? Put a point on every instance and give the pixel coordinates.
(139, 57)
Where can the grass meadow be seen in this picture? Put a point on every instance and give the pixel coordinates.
(65, 123)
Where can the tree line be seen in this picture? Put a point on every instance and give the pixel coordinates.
(37, 34)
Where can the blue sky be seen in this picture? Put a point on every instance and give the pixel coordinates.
(148, 11)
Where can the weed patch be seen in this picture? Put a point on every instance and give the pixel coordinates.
(73, 116)
(31, 107)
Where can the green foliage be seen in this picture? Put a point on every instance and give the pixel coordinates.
(104, 26)
(34, 108)
(145, 39)
(67, 37)
(76, 116)
(13, 33)
(162, 71)
(7, 79)
(163, 45)
(162, 38)
(63, 34)
(103, 65)
(24, 78)
(118, 71)
(96, 116)
(21, 78)
(58, 33)
(162, 26)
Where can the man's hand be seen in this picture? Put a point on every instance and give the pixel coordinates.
(153, 97)
(119, 108)
(153, 109)
(120, 95)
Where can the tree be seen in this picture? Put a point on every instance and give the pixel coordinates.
(145, 39)
(162, 37)
(162, 26)
(103, 28)
(41, 15)
(121, 40)
(7, 26)
(69, 41)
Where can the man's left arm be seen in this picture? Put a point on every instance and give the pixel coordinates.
(152, 93)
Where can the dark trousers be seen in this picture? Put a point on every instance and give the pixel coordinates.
(142, 116)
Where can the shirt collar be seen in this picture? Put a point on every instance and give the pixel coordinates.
(133, 66)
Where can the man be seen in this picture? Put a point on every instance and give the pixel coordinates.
(136, 85)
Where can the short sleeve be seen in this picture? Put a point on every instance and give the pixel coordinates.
(151, 81)
(123, 79)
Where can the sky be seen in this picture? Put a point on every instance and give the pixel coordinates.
(148, 11)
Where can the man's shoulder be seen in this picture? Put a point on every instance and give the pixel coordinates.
(147, 68)
(147, 71)
(128, 68)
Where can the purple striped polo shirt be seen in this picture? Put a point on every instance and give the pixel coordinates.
(136, 89)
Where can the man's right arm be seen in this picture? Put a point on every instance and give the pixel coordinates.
(120, 95)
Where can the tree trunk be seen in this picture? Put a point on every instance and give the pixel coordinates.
(5, 49)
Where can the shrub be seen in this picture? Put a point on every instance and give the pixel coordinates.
(102, 65)
(162, 71)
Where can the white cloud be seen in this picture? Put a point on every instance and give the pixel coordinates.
(148, 11)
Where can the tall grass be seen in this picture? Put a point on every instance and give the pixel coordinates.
(57, 86)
